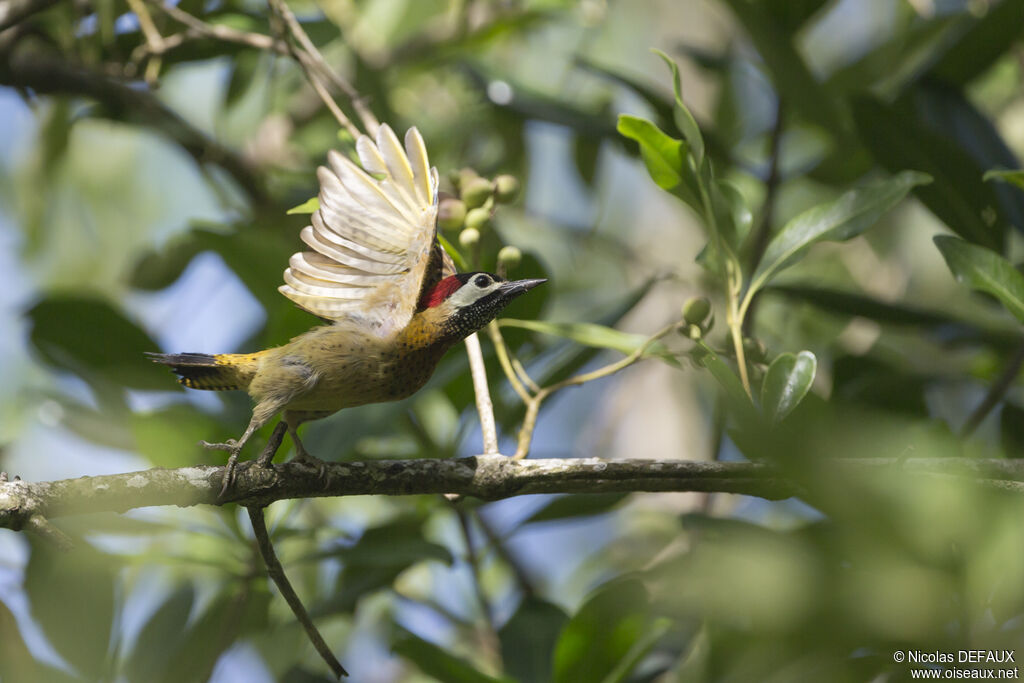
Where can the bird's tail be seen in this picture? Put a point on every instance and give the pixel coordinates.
(220, 372)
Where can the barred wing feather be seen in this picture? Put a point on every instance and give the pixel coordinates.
(372, 237)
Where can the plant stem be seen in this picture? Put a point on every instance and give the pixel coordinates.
(995, 392)
(484, 405)
(276, 572)
(533, 403)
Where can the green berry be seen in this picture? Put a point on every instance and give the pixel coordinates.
(476, 191)
(464, 177)
(451, 213)
(509, 257)
(696, 310)
(478, 218)
(506, 188)
(694, 332)
(469, 238)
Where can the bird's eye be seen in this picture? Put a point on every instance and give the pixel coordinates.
(481, 281)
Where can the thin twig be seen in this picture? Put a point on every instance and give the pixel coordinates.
(339, 115)
(484, 405)
(259, 41)
(473, 559)
(518, 571)
(995, 392)
(278, 24)
(501, 349)
(224, 33)
(153, 39)
(370, 122)
(40, 526)
(534, 402)
(524, 376)
(276, 572)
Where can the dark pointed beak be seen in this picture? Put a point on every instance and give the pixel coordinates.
(513, 289)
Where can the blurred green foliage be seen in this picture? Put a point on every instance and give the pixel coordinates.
(778, 126)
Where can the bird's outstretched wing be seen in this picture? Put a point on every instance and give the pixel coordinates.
(372, 237)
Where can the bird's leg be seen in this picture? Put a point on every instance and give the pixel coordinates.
(301, 454)
(260, 415)
(270, 450)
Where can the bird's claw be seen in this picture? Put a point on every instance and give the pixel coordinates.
(230, 470)
(322, 472)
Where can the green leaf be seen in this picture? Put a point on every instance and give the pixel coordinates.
(168, 437)
(987, 40)
(683, 117)
(943, 326)
(787, 381)
(652, 634)
(17, 662)
(735, 396)
(1011, 177)
(577, 505)
(460, 261)
(736, 209)
(72, 600)
(1011, 430)
(399, 543)
(663, 155)
(659, 104)
(886, 69)
(599, 336)
(793, 80)
(244, 73)
(836, 221)
(159, 268)
(952, 115)
(602, 633)
(437, 662)
(984, 270)
(528, 639)
(898, 139)
(880, 384)
(160, 639)
(309, 206)
(792, 14)
(90, 337)
(236, 611)
(376, 559)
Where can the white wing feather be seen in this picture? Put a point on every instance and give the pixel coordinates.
(371, 237)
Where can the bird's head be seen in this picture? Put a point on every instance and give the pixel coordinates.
(465, 302)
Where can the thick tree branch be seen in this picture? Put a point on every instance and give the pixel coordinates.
(486, 477)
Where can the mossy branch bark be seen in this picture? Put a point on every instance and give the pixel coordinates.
(488, 477)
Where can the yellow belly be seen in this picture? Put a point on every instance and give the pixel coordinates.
(335, 367)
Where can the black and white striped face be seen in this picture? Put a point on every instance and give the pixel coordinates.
(479, 298)
(475, 286)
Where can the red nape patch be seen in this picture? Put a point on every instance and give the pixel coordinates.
(441, 291)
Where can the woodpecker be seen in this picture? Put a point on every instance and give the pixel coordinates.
(379, 277)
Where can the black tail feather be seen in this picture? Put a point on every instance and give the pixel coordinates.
(204, 371)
